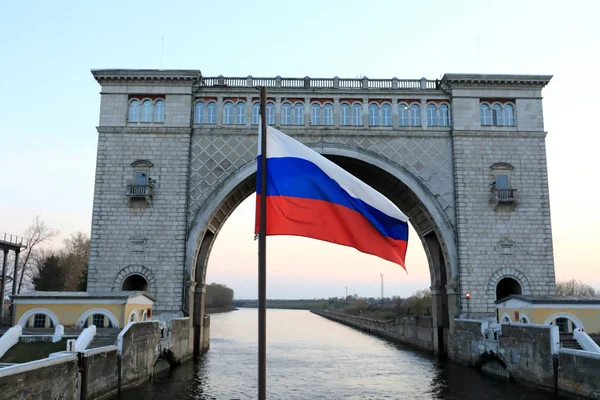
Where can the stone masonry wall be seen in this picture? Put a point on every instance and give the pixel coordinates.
(482, 230)
(50, 378)
(160, 227)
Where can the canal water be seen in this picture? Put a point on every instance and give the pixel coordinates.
(310, 357)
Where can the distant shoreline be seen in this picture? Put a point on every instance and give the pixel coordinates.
(217, 310)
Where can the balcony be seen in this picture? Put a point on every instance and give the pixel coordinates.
(504, 196)
(140, 191)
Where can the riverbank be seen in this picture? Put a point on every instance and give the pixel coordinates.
(217, 310)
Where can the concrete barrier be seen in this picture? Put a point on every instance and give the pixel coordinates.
(99, 373)
(50, 378)
(85, 338)
(179, 337)
(527, 350)
(578, 373)
(206, 333)
(416, 331)
(58, 333)
(10, 338)
(585, 341)
(138, 346)
(468, 349)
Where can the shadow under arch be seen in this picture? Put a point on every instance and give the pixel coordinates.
(426, 215)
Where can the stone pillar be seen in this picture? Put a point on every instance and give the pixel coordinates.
(366, 111)
(219, 110)
(249, 110)
(395, 111)
(4, 260)
(278, 110)
(307, 111)
(336, 111)
(424, 113)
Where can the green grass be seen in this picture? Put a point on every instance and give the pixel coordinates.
(25, 352)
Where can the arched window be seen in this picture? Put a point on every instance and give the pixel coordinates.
(134, 111)
(199, 113)
(509, 115)
(344, 114)
(386, 115)
(298, 114)
(228, 113)
(484, 114)
(315, 114)
(133, 317)
(255, 113)
(270, 113)
(39, 320)
(147, 111)
(357, 115)
(403, 114)
(505, 319)
(286, 114)
(211, 113)
(432, 119)
(444, 115)
(497, 115)
(328, 114)
(415, 115)
(506, 287)
(373, 114)
(135, 282)
(240, 115)
(159, 111)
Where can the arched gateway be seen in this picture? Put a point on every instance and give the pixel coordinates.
(437, 149)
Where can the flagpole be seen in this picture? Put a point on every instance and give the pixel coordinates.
(262, 253)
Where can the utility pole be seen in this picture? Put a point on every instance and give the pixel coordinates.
(381, 288)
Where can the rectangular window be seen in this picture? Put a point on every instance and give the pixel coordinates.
(255, 113)
(270, 114)
(315, 114)
(502, 181)
(98, 320)
(328, 115)
(141, 178)
(39, 321)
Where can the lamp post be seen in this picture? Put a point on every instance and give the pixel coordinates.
(468, 296)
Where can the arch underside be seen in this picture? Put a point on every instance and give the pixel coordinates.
(429, 232)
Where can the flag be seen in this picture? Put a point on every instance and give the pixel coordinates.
(309, 195)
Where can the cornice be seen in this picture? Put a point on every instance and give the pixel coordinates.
(470, 81)
(499, 134)
(146, 76)
(148, 130)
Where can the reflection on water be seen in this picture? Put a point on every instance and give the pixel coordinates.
(310, 357)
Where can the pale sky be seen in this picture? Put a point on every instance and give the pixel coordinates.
(49, 105)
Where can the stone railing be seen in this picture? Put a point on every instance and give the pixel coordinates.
(323, 83)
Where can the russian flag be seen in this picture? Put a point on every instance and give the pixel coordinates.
(309, 195)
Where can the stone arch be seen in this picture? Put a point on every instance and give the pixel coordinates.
(525, 317)
(129, 270)
(25, 317)
(504, 318)
(426, 214)
(113, 319)
(134, 314)
(508, 272)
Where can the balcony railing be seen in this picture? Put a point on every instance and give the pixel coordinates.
(139, 191)
(323, 83)
(504, 196)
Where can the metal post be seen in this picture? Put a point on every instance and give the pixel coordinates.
(262, 253)
(14, 284)
(381, 289)
(2, 289)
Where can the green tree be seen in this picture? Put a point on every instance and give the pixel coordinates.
(218, 295)
(50, 276)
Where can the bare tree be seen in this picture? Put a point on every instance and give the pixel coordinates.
(574, 288)
(38, 233)
(74, 258)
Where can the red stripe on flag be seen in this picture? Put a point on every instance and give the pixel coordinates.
(329, 222)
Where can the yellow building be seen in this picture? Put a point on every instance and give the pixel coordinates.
(81, 309)
(566, 312)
